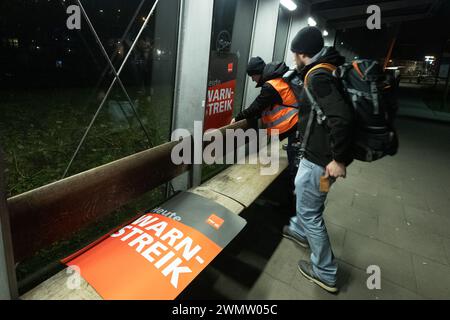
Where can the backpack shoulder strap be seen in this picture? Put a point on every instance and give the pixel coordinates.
(328, 67)
(315, 108)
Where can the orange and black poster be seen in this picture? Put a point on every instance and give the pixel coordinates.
(221, 87)
(160, 253)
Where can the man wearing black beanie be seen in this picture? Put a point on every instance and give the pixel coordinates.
(273, 104)
(255, 68)
(326, 132)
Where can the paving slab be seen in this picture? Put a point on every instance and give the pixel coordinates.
(395, 263)
(404, 237)
(283, 263)
(428, 222)
(433, 280)
(351, 218)
(269, 288)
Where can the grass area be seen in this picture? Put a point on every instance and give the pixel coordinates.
(40, 130)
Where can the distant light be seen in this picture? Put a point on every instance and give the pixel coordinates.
(325, 33)
(429, 59)
(312, 22)
(101, 10)
(38, 48)
(158, 52)
(288, 4)
(342, 43)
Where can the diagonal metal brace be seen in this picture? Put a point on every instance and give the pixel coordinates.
(116, 78)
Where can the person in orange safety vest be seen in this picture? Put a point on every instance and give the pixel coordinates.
(276, 105)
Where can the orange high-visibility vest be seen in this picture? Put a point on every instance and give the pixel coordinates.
(281, 117)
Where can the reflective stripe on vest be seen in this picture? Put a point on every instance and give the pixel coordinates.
(278, 108)
(287, 116)
(281, 117)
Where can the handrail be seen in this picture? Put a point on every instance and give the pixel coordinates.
(50, 213)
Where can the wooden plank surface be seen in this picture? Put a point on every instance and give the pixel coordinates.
(227, 202)
(55, 211)
(244, 182)
(60, 287)
(235, 188)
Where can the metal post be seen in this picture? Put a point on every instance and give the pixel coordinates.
(8, 281)
(192, 74)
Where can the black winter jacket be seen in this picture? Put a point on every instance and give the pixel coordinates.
(331, 140)
(268, 96)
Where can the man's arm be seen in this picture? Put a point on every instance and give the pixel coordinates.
(267, 98)
(339, 115)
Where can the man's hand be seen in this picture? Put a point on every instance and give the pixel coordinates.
(335, 169)
(233, 121)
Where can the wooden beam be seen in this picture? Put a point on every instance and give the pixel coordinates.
(55, 211)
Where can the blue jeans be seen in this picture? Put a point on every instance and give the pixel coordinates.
(308, 222)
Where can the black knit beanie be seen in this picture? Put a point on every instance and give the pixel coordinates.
(255, 66)
(308, 41)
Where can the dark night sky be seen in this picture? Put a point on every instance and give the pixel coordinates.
(415, 39)
(419, 38)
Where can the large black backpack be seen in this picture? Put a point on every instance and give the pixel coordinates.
(371, 92)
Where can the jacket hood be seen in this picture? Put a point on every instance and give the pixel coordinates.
(326, 55)
(273, 70)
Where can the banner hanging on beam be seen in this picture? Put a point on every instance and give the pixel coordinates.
(221, 87)
(160, 253)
